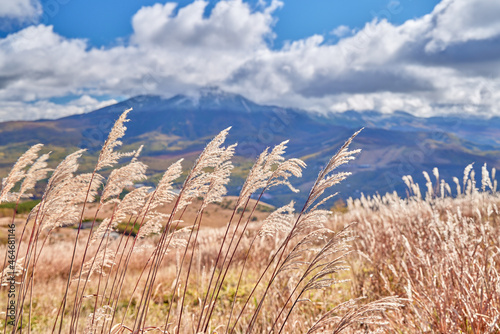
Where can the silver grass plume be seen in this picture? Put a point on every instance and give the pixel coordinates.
(485, 178)
(447, 187)
(312, 220)
(130, 205)
(457, 182)
(466, 174)
(430, 190)
(123, 177)
(329, 260)
(65, 169)
(412, 186)
(95, 322)
(83, 180)
(102, 260)
(271, 169)
(219, 177)
(198, 181)
(435, 171)
(104, 227)
(354, 314)
(164, 190)
(285, 170)
(152, 224)
(178, 239)
(338, 246)
(324, 277)
(8, 272)
(137, 153)
(108, 157)
(472, 189)
(255, 179)
(493, 176)
(408, 180)
(37, 172)
(163, 194)
(143, 201)
(325, 178)
(17, 172)
(281, 220)
(296, 257)
(62, 204)
(55, 188)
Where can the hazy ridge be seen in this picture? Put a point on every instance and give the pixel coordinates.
(393, 145)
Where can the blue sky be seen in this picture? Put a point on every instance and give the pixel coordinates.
(427, 57)
(103, 22)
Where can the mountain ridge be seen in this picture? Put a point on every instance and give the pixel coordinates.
(393, 145)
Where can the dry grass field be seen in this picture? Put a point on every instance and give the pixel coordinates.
(191, 260)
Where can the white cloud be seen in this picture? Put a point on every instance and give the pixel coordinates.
(342, 31)
(480, 18)
(230, 27)
(48, 110)
(19, 11)
(387, 67)
(446, 61)
(88, 103)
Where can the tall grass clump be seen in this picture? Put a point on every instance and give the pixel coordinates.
(439, 248)
(280, 275)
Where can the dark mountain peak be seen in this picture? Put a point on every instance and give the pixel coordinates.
(215, 98)
(204, 99)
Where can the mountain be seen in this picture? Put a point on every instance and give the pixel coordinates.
(480, 130)
(392, 145)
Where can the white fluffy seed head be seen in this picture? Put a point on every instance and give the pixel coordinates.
(325, 178)
(280, 221)
(485, 178)
(62, 201)
(103, 260)
(17, 172)
(467, 170)
(96, 321)
(209, 174)
(108, 157)
(123, 177)
(153, 224)
(164, 190)
(37, 172)
(271, 169)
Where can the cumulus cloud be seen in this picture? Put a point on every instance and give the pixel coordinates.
(444, 62)
(231, 27)
(388, 68)
(18, 12)
(479, 17)
(44, 109)
(342, 31)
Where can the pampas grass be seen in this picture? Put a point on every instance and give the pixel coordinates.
(441, 253)
(275, 276)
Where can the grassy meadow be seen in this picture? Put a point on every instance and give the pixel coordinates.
(102, 254)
